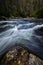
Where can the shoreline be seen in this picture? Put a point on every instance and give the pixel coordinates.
(27, 18)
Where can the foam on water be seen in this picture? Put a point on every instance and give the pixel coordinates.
(21, 32)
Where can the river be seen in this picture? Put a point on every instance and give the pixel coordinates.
(23, 31)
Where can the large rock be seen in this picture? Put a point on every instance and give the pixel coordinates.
(20, 56)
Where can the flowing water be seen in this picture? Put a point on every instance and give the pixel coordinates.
(25, 32)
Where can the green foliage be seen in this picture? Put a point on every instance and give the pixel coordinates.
(38, 13)
(21, 8)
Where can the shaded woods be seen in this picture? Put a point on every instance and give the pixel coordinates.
(21, 8)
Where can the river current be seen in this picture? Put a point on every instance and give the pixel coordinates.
(27, 32)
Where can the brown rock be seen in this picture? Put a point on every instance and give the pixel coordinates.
(20, 57)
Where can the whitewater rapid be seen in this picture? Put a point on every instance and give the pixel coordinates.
(24, 32)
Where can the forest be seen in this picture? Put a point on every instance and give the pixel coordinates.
(21, 8)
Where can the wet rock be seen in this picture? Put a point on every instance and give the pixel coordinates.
(2, 18)
(20, 57)
(39, 30)
(34, 60)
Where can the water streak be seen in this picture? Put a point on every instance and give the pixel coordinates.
(22, 31)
